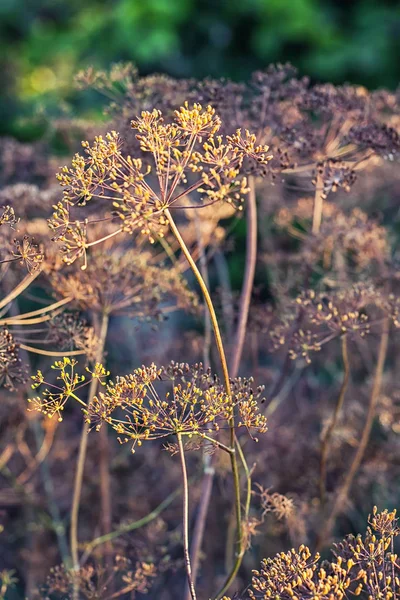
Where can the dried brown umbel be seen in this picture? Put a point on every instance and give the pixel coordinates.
(67, 331)
(321, 317)
(372, 558)
(99, 582)
(121, 280)
(12, 370)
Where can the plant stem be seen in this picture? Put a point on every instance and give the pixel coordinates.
(207, 299)
(221, 352)
(329, 430)
(342, 496)
(250, 269)
(208, 466)
(28, 279)
(318, 205)
(103, 539)
(81, 464)
(105, 487)
(186, 517)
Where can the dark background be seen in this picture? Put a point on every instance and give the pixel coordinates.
(43, 43)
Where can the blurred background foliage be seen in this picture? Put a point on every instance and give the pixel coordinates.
(43, 43)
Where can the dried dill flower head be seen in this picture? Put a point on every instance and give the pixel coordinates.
(315, 319)
(344, 240)
(99, 582)
(298, 575)
(12, 370)
(195, 404)
(17, 250)
(123, 280)
(67, 331)
(187, 157)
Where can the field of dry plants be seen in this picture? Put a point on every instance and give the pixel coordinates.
(199, 344)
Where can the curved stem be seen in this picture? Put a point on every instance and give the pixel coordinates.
(208, 466)
(329, 430)
(20, 288)
(207, 299)
(186, 517)
(51, 352)
(81, 464)
(103, 539)
(342, 496)
(221, 352)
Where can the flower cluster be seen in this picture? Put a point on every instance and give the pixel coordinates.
(99, 581)
(69, 383)
(365, 566)
(197, 404)
(187, 147)
(12, 370)
(123, 280)
(315, 319)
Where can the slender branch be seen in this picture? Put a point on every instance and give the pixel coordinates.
(51, 352)
(81, 464)
(204, 273)
(103, 239)
(342, 496)
(109, 537)
(329, 430)
(245, 298)
(19, 288)
(33, 321)
(186, 517)
(207, 299)
(208, 466)
(250, 268)
(248, 473)
(318, 205)
(221, 352)
(105, 486)
(45, 309)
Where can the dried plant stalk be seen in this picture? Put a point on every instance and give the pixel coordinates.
(343, 493)
(221, 351)
(330, 429)
(81, 465)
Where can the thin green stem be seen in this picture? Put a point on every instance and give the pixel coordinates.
(109, 537)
